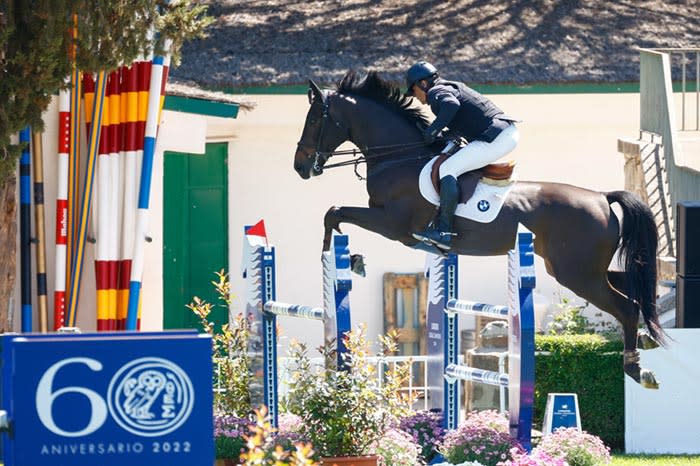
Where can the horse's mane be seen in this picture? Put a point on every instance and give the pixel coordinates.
(382, 91)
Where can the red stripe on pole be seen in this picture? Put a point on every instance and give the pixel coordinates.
(140, 134)
(64, 132)
(129, 78)
(62, 223)
(144, 75)
(102, 275)
(131, 141)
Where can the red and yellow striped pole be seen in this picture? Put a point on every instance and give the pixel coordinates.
(101, 212)
(136, 83)
(114, 217)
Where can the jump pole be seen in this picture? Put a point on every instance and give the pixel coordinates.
(64, 138)
(25, 228)
(40, 230)
(158, 78)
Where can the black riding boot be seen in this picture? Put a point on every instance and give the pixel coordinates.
(440, 232)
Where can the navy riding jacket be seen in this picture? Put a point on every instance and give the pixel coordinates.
(464, 111)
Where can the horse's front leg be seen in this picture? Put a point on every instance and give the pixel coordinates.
(373, 219)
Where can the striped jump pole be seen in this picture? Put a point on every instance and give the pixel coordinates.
(158, 78)
(520, 379)
(64, 138)
(259, 268)
(134, 104)
(25, 230)
(40, 231)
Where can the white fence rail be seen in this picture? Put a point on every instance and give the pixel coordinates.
(415, 386)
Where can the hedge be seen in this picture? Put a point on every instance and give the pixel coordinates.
(590, 366)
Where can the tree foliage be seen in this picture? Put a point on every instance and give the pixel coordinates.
(36, 41)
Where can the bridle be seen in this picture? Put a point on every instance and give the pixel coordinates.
(321, 157)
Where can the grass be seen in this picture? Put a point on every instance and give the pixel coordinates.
(655, 460)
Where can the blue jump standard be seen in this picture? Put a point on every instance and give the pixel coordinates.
(443, 340)
(335, 313)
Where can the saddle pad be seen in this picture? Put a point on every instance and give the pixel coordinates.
(482, 207)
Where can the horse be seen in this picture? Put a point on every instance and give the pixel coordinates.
(576, 231)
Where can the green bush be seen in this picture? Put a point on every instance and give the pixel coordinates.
(590, 366)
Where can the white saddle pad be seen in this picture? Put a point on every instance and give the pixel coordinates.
(483, 206)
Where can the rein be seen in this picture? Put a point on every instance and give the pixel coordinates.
(320, 157)
(359, 157)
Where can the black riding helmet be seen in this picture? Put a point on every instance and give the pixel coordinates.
(418, 71)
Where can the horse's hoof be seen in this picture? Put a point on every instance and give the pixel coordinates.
(645, 341)
(648, 380)
(357, 264)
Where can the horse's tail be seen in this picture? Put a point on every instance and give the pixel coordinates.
(638, 245)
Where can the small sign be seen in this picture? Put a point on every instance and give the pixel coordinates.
(561, 411)
(85, 399)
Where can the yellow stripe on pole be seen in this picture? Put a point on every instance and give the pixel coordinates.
(132, 107)
(103, 304)
(143, 105)
(93, 149)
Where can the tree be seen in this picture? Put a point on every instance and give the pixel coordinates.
(35, 58)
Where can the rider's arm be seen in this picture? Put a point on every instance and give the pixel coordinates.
(445, 106)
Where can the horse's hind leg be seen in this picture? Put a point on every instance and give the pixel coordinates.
(604, 295)
(644, 340)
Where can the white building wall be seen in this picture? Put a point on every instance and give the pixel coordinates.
(665, 420)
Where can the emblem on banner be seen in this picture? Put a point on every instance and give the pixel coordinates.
(150, 397)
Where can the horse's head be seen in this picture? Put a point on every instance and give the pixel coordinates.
(322, 134)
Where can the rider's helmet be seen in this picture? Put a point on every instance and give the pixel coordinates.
(417, 72)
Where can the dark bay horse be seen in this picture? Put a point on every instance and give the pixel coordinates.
(576, 232)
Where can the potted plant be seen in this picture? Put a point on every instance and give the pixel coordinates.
(345, 412)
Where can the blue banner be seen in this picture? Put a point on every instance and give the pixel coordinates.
(136, 399)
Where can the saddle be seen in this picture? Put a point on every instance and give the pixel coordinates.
(494, 173)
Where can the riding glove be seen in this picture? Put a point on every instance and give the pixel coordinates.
(429, 135)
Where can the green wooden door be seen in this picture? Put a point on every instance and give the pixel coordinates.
(195, 233)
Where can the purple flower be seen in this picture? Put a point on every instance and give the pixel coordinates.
(483, 444)
(575, 447)
(425, 427)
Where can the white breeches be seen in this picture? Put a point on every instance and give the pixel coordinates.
(477, 154)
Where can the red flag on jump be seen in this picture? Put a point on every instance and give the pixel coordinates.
(256, 233)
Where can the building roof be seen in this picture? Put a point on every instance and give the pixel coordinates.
(278, 42)
(193, 99)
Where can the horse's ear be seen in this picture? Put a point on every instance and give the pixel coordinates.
(315, 92)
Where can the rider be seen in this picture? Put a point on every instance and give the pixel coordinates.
(491, 135)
